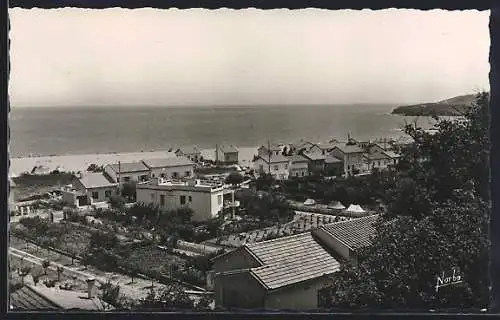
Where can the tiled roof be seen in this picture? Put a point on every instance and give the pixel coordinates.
(126, 167)
(228, 149)
(275, 159)
(328, 145)
(392, 154)
(67, 299)
(95, 180)
(297, 158)
(28, 299)
(167, 162)
(188, 150)
(314, 156)
(349, 148)
(376, 156)
(331, 159)
(354, 233)
(291, 260)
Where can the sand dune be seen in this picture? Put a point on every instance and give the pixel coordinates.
(81, 162)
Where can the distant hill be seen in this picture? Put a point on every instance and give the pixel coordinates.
(449, 107)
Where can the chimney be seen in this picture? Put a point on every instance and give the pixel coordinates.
(91, 288)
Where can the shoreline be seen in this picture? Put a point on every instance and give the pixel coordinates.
(80, 162)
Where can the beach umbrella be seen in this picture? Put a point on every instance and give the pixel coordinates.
(355, 208)
(336, 205)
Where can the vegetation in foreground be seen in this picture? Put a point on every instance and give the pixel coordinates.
(437, 221)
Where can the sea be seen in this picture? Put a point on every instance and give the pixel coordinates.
(44, 131)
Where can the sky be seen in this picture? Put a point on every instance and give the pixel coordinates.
(88, 57)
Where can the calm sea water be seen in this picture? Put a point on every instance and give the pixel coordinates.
(80, 130)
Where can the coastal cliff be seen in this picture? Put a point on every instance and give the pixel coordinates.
(450, 107)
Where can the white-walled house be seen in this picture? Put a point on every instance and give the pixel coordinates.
(289, 272)
(127, 172)
(273, 150)
(205, 198)
(380, 158)
(352, 157)
(190, 152)
(170, 168)
(226, 154)
(88, 189)
(299, 166)
(277, 165)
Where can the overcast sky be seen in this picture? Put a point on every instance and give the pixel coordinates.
(202, 57)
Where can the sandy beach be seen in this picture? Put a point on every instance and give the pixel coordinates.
(80, 162)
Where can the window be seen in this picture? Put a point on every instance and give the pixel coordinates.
(219, 199)
(107, 193)
(95, 195)
(126, 179)
(188, 173)
(302, 173)
(261, 168)
(117, 179)
(162, 175)
(183, 200)
(152, 196)
(162, 200)
(144, 177)
(378, 162)
(190, 199)
(175, 175)
(276, 167)
(286, 166)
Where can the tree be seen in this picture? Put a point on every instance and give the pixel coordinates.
(100, 239)
(437, 222)
(117, 202)
(129, 191)
(234, 178)
(24, 272)
(60, 270)
(110, 293)
(171, 297)
(45, 266)
(36, 277)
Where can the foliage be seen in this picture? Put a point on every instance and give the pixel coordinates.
(129, 191)
(95, 168)
(271, 206)
(45, 265)
(437, 221)
(234, 178)
(100, 239)
(171, 297)
(117, 202)
(111, 294)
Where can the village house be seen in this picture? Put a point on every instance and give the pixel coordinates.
(323, 148)
(299, 166)
(284, 273)
(88, 189)
(274, 150)
(289, 272)
(127, 172)
(345, 238)
(333, 166)
(316, 162)
(351, 156)
(302, 146)
(190, 152)
(380, 158)
(170, 168)
(226, 154)
(205, 198)
(277, 165)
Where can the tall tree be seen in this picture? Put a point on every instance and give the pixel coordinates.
(437, 223)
